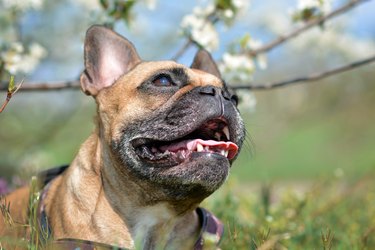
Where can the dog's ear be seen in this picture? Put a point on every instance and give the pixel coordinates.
(107, 57)
(203, 61)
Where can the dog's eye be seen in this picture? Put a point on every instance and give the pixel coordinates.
(163, 81)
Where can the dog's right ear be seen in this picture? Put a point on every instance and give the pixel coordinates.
(107, 57)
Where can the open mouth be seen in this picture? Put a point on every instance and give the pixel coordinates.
(212, 137)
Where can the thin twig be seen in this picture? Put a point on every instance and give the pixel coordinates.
(10, 94)
(189, 42)
(314, 22)
(309, 78)
(47, 86)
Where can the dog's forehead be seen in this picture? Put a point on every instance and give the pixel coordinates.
(196, 77)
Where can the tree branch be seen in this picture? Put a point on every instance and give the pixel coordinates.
(10, 93)
(46, 86)
(189, 42)
(64, 85)
(305, 79)
(314, 22)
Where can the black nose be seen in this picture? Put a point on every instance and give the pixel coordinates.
(221, 95)
(211, 90)
(208, 90)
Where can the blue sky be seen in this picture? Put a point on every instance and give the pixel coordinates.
(155, 32)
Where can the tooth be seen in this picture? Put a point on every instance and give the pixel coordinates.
(226, 153)
(199, 147)
(222, 152)
(226, 132)
(206, 149)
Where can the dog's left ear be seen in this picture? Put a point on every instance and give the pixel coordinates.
(107, 57)
(203, 61)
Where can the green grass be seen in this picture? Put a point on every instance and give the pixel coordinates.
(333, 214)
(330, 214)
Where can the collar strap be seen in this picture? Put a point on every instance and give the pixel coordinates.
(210, 234)
(211, 229)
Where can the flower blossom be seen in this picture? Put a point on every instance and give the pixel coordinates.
(237, 67)
(200, 29)
(22, 5)
(18, 61)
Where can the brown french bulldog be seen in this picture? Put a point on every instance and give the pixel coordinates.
(165, 138)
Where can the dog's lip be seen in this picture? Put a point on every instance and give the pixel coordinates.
(141, 140)
(211, 136)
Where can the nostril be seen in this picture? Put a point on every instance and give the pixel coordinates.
(208, 90)
(226, 95)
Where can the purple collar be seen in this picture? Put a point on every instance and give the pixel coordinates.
(211, 228)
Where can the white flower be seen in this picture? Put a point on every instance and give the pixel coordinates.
(228, 14)
(151, 4)
(16, 61)
(237, 8)
(237, 68)
(37, 51)
(237, 61)
(22, 5)
(200, 29)
(240, 4)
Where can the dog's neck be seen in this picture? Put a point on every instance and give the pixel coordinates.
(94, 195)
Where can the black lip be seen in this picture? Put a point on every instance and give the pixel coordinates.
(139, 141)
(171, 159)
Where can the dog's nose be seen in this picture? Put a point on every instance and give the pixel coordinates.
(221, 95)
(211, 90)
(208, 90)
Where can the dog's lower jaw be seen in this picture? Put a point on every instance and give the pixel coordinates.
(84, 204)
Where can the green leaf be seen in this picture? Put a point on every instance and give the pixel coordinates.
(244, 40)
(224, 4)
(11, 86)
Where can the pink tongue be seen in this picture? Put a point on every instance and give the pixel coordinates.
(215, 146)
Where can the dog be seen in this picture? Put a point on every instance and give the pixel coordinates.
(165, 138)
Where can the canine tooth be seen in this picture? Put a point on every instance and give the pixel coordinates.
(199, 147)
(226, 132)
(222, 152)
(226, 153)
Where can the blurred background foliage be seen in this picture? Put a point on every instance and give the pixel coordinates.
(294, 133)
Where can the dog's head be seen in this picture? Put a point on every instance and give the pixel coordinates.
(172, 128)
